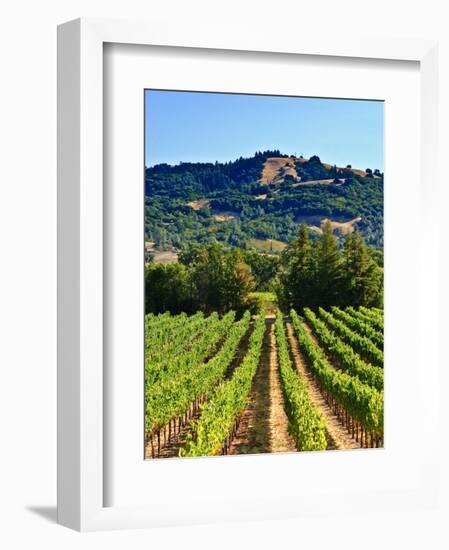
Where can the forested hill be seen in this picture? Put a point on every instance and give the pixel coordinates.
(259, 202)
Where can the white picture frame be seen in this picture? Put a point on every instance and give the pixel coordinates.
(81, 338)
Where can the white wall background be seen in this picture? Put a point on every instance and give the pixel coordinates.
(28, 267)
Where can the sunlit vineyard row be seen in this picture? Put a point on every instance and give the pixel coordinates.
(234, 384)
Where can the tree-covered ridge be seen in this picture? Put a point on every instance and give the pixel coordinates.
(237, 207)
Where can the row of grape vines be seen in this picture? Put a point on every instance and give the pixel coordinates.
(170, 368)
(199, 375)
(172, 400)
(159, 329)
(180, 339)
(305, 422)
(375, 320)
(362, 345)
(213, 433)
(344, 354)
(360, 326)
(359, 406)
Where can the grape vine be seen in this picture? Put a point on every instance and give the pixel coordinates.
(305, 423)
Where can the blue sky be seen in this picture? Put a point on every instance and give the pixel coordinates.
(205, 127)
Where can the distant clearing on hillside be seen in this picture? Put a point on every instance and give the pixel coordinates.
(339, 226)
(165, 257)
(276, 169)
(267, 245)
(199, 204)
(343, 228)
(224, 216)
(218, 215)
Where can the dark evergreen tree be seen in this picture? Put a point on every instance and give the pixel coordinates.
(298, 278)
(328, 268)
(363, 282)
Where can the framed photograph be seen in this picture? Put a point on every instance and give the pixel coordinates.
(240, 304)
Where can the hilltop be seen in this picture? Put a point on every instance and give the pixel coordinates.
(259, 202)
(280, 169)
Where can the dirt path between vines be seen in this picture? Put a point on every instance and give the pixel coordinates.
(280, 439)
(264, 425)
(337, 436)
(240, 353)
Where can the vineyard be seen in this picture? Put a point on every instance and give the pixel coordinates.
(271, 382)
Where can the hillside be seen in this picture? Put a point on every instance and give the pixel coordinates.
(276, 169)
(259, 199)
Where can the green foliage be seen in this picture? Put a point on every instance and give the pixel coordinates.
(343, 353)
(162, 361)
(362, 345)
(362, 402)
(222, 262)
(172, 386)
(166, 288)
(313, 170)
(221, 411)
(260, 302)
(264, 268)
(305, 423)
(298, 280)
(166, 340)
(329, 268)
(318, 272)
(220, 279)
(371, 316)
(311, 273)
(360, 326)
(163, 328)
(233, 187)
(364, 278)
(207, 278)
(373, 313)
